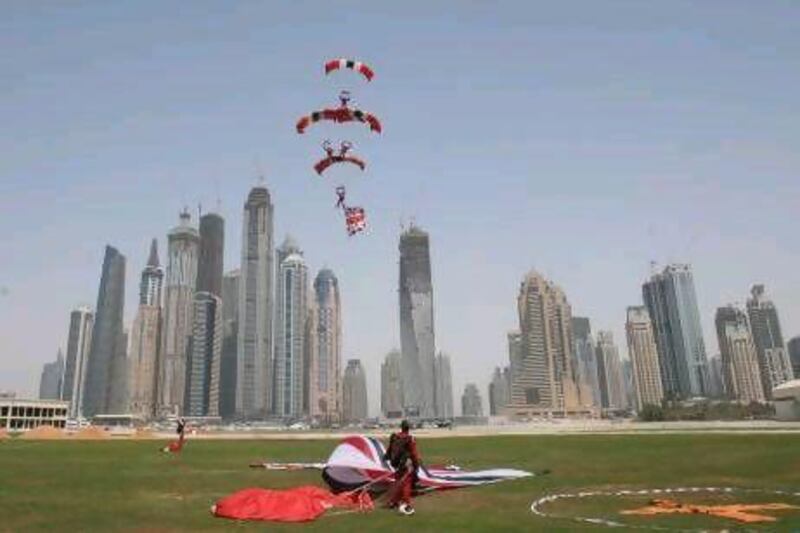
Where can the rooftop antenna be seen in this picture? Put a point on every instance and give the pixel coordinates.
(259, 171)
(199, 210)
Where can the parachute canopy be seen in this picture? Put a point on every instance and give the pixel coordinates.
(358, 66)
(301, 504)
(323, 164)
(358, 461)
(339, 115)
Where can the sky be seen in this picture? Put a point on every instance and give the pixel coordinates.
(583, 139)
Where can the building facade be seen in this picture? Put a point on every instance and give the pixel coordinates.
(392, 385)
(794, 355)
(612, 380)
(145, 335)
(52, 378)
(417, 341)
(443, 391)
(290, 337)
(739, 359)
(19, 415)
(672, 305)
(542, 377)
(354, 392)
(108, 343)
(773, 360)
(585, 362)
(254, 343)
(205, 354)
(79, 341)
(183, 244)
(471, 404)
(643, 353)
(499, 390)
(325, 347)
(230, 332)
(203, 373)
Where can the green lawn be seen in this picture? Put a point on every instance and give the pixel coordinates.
(129, 486)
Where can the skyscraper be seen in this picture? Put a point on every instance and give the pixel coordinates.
(515, 359)
(325, 347)
(671, 302)
(108, 343)
(716, 381)
(79, 343)
(471, 404)
(443, 392)
(499, 390)
(644, 357)
(609, 366)
(417, 342)
(203, 375)
(254, 345)
(146, 339)
(392, 385)
(773, 361)
(739, 359)
(52, 378)
(183, 243)
(203, 372)
(794, 355)
(585, 362)
(542, 377)
(230, 332)
(354, 392)
(290, 332)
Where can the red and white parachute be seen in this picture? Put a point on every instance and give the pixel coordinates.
(333, 158)
(339, 115)
(358, 66)
(358, 461)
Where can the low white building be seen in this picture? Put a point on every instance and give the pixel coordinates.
(18, 415)
(786, 398)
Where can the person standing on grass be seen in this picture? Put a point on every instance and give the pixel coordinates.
(402, 454)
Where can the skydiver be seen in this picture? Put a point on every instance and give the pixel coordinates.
(403, 456)
(340, 192)
(344, 147)
(344, 98)
(326, 145)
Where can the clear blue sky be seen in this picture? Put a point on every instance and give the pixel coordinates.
(583, 140)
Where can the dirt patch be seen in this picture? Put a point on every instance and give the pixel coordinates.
(44, 433)
(91, 433)
(3, 434)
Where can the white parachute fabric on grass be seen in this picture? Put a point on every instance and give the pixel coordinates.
(358, 461)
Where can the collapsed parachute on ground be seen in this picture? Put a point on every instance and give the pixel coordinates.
(354, 469)
(358, 66)
(358, 461)
(301, 504)
(334, 158)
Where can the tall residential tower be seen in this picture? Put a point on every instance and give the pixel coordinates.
(417, 341)
(254, 344)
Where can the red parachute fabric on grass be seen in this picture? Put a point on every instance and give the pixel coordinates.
(301, 504)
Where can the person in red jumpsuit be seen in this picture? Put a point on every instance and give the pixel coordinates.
(402, 454)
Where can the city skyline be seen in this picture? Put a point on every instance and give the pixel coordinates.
(685, 126)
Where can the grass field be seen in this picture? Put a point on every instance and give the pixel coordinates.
(129, 486)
